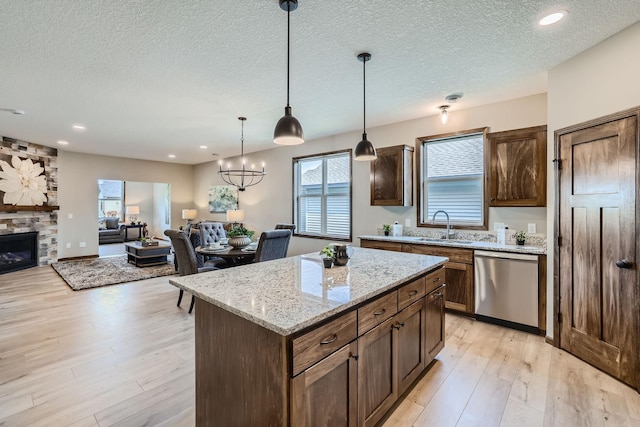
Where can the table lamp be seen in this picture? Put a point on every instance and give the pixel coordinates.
(133, 212)
(235, 216)
(189, 215)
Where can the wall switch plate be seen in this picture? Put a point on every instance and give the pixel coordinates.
(407, 222)
(68, 245)
(531, 228)
(498, 225)
(70, 216)
(83, 244)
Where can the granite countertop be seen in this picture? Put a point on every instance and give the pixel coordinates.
(289, 294)
(459, 243)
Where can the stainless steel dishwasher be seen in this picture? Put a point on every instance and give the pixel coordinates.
(506, 289)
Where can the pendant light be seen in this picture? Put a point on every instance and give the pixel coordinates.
(288, 130)
(365, 151)
(241, 178)
(444, 114)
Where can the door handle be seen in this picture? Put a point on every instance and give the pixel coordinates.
(624, 263)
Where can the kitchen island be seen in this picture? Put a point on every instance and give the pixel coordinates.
(289, 343)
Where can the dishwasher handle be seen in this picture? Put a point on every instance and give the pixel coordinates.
(505, 255)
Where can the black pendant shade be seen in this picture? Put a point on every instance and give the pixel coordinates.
(365, 151)
(288, 130)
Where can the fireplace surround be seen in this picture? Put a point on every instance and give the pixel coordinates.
(18, 251)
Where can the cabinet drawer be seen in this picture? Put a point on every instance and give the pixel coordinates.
(377, 244)
(322, 341)
(454, 254)
(411, 292)
(377, 312)
(435, 279)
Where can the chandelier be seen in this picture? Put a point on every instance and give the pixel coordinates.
(243, 177)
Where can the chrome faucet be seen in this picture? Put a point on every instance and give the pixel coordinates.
(449, 234)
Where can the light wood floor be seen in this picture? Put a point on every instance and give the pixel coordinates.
(123, 355)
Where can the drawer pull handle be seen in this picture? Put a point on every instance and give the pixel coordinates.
(436, 280)
(354, 356)
(439, 294)
(378, 313)
(412, 293)
(330, 340)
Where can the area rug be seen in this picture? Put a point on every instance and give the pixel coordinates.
(96, 272)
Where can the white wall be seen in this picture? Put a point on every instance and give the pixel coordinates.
(600, 81)
(270, 202)
(161, 216)
(78, 176)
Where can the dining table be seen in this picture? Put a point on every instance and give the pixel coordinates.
(233, 256)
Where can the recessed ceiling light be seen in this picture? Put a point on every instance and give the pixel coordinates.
(204, 147)
(62, 142)
(553, 17)
(172, 156)
(79, 127)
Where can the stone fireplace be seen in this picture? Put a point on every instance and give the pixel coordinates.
(41, 221)
(18, 251)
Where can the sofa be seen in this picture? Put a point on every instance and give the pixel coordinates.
(110, 230)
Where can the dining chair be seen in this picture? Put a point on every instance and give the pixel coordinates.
(282, 226)
(211, 232)
(186, 259)
(273, 244)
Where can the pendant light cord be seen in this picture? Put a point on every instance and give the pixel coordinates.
(288, 43)
(364, 96)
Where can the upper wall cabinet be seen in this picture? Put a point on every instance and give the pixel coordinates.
(518, 167)
(392, 177)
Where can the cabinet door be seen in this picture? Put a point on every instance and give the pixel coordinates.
(377, 372)
(410, 323)
(434, 323)
(392, 177)
(459, 280)
(518, 167)
(325, 394)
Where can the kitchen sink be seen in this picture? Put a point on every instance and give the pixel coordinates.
(453, 241)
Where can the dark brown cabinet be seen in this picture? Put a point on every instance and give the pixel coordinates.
(434, 313)
(392, 177)
(411, 329)
(458, 275)
(325, 394)
(518, 173)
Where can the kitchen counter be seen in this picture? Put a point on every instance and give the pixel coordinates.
(290, 294)
(458, 243)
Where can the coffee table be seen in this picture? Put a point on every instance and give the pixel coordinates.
(146, 256)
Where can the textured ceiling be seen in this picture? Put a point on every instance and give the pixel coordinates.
(149, 78)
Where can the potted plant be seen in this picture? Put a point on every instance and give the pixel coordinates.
(386, 228)
(239, 236)
(520, 237)
(327, 256)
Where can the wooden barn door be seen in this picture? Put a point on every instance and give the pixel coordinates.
(598, 283)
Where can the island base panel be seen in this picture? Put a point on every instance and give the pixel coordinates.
(241, 371)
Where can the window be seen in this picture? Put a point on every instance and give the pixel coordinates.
(322, 195)
(110, 197)
(452, 179)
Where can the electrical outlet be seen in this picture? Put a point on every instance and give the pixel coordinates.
(3, 226)
(407, 222)
(83, 244)
(68, 245)
(531, 228)
(70, 216)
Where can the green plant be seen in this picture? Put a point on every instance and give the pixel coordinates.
(143, 239)
(520, 235)
(327, 252)
(239, 231)
(386, 227)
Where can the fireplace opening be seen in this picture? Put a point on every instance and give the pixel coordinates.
(18, 251)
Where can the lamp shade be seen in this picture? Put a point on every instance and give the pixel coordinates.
(288, 130)
(133, 210)
(236, 215)
(365, 151)
(189, 213)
